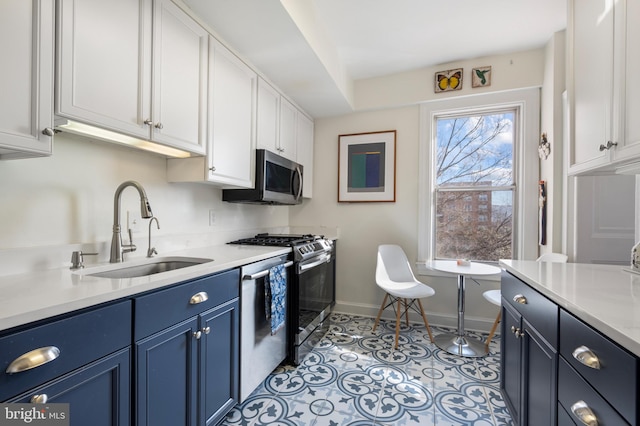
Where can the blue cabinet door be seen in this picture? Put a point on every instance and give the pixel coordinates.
(97, 394)
(219, 375)
(166, 377)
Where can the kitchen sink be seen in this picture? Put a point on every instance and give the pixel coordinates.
(150, 267)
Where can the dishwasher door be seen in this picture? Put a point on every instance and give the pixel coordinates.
(260, 351)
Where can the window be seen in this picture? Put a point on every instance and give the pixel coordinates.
(474, 160)
(477, 151)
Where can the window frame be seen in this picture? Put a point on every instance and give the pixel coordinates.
(526, 103)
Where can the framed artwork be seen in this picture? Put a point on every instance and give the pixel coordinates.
(446, 81)
(481, 77)
(367, 167)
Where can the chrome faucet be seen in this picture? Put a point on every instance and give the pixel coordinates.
(152, 250)
(117, 248)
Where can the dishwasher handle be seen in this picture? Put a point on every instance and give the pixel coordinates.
(261, 274)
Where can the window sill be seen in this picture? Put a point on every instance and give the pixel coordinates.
(424, 269)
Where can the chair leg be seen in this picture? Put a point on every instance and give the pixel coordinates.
(406, 312)
(398, 321)
(493, 329)
(384, 303)
(424, 318)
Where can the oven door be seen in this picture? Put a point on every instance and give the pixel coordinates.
(312, 303)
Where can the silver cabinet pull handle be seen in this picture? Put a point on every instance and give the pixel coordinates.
(519, 298)
(39, 399)
(582, 411)
(199, 298)
(585, 356)
(33, 359)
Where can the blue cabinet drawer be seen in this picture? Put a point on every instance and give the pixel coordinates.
(164, 308)
(616, 379)
(36, 355)
(539, 311)
(572, 389)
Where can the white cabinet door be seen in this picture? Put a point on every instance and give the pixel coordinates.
(233, 110)
(180, 53)
(591, 47)
(288, 117)
(106, 76)
(26, 86)
(268, 120)
(628, 88)
(104, 64)
(305, 152)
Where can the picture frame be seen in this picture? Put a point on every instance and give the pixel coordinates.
(367, 167)
(481, 77)
(446, 81)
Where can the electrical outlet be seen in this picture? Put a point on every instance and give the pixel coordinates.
(134, 221)
(212, 217)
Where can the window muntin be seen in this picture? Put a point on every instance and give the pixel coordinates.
(474, 185)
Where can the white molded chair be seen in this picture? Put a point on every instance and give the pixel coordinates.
(395, 277)
(493, 296)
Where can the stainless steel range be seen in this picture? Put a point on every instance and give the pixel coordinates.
(311, 294)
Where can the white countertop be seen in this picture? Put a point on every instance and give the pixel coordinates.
(604, 296)
(29, 297)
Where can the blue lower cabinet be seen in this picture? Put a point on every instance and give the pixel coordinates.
(219, 372)
(98, 393)
(166, 377)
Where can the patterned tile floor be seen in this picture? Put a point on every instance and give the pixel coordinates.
(354, 377)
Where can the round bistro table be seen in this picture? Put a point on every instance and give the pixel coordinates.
(458, 343)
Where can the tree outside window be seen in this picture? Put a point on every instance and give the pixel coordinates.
(475, 186)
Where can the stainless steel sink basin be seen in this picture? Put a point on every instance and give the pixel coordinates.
(154, 266)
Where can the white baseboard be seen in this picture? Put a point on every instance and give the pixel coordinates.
(435, 319)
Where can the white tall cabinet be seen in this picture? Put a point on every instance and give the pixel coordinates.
(231, 126)
(26, 86)
(137, 67)
(604, 90)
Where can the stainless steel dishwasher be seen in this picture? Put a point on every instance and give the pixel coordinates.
(260, 350)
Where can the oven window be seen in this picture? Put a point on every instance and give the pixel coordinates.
(316, 292)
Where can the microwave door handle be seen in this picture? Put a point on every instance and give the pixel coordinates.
(299, 173)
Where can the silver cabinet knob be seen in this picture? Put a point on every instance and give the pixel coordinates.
(519, 298)
(206, 330)
(584, 413)
(48, 131)
(608, 146)
(148, 122)
(33, 359)
(199, 298)
(39, 399)
(159, 126)
(197, 334)
(212, 168)
(585, 356)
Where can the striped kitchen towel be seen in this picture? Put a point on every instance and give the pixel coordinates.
(276, 297)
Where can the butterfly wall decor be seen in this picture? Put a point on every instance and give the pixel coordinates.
(448, 80)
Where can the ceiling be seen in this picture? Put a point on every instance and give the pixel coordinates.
(314, 50)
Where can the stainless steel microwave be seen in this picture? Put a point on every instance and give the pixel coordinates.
(278, 181)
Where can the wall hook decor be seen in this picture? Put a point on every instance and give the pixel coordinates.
(544, 147)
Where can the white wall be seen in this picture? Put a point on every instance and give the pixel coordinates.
(363, 226)
(53, 205)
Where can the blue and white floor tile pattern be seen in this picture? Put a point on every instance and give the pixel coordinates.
(354, 377)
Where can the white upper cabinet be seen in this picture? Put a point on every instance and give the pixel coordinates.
(287, 142)
(604, 92)
(304, 131)
(26, 86)
(268, 120)
(137, 67)
(231, 128)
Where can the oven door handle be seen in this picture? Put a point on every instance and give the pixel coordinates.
(303, 267)
(261, 274)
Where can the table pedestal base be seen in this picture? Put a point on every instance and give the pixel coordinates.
(461, 345)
